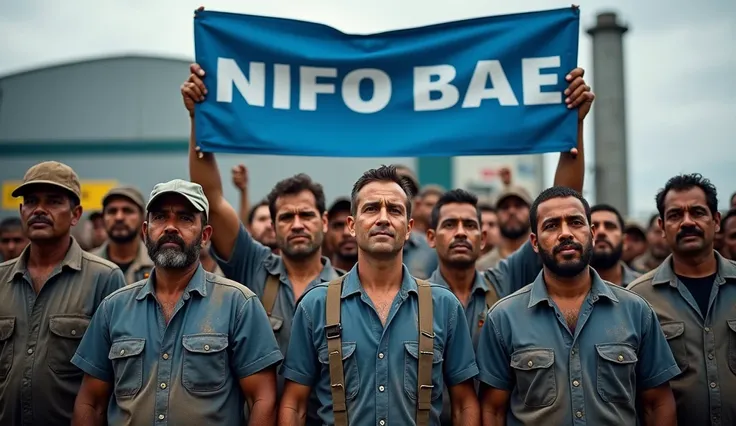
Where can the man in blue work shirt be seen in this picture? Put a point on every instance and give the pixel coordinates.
(382, 357)
(184, 347)
(571, 348)
(455, 231)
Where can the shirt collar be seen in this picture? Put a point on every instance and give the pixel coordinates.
(72, 259)
(351, 285)
(196, 284)
(665, 274)
(598, 289)
(479, 284)
(275, 266)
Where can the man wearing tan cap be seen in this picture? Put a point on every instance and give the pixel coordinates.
(122, 211)
(217, 352)
(512, 206)
(47, 297)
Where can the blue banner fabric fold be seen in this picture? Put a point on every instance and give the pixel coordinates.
(486, 86)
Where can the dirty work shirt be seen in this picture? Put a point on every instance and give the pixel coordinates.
(380, 363)
(704, 345)
(138, 270)
(419, 257)
(187, 372)
(475, 315)
(589, 377)
(250, 264)
(516, 271)
(40, 332)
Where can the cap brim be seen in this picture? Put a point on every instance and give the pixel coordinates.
(338, 206)
(191, 200)
(19, 191)
(506, 196)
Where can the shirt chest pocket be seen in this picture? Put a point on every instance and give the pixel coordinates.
(349, 368)
(7, 326)
(616, 380)
(66, 333)
(674, 332)
(205, 365)
(126, 356)
(411, 366)
(534, 369)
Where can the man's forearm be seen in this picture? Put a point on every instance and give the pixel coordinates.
(263, 412)
(664, 414)
(88, 415)
(492, 417)
(469, 415)
(289, 416)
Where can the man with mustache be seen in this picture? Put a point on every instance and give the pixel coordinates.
(455, 231)
(571, 348)
(366, 326)
(47, 297)
(338, 239)
(183, 347)
(693, 293)
(122, 212)
(297, 209)
(512, 209)
(609, 246)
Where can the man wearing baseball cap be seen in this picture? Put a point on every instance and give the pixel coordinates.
(122, 212)
(48, 295)
(512, 206)
(217, 351)
(339, 243)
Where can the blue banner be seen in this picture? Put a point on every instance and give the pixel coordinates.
(487, 86)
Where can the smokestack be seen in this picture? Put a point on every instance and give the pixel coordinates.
(609, 112)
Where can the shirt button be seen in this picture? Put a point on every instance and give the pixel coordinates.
(620, 357)
(713, 384)
(163, 385)
(160, 416)
(710, 356)
(707, 329)
(122, 351)
(206, 347)
(380, 355)
(74, 332)
(529, 363)
(575, 383)
(382, 422)
(579, 414)
(381, 388)
(165, 356)
(30, 351)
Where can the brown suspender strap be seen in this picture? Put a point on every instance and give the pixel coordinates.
(426, 353)
(270, 293)
(333, 333)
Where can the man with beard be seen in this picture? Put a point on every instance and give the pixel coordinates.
(512, 207)
(609, 246)
(122, 212)
(12, 238)
(657, 248)
(183, 347)
(693, 293)
(297, 208)
(456, 233)
(338, 239)
(570, 348)
(47, 296)
(260, 226)
(375, 343)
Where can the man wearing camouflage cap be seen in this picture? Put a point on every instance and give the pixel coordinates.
(47, 297)
(122, 212)
(217, 351)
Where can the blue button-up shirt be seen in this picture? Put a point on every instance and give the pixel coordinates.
(419, 257)
(186, 372)
(516, 271)
(589, 377)
(380, 362)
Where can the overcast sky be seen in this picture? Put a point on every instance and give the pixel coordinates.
(680, 60)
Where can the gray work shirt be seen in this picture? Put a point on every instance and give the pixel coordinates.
(40, 332)
(704, 345)
(141, 267)
(419, 257)
(589, 377)
(185, 372)
(628, 275)
(516, 271)
(379, 362)
(475, 315)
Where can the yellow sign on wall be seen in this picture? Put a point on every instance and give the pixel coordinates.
(92, 193)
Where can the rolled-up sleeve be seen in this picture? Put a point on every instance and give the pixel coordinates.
(92, 354)
(656, 364)
(247, 254)
(254, 345)
(301, 363)
(459, 363)
(493, 357)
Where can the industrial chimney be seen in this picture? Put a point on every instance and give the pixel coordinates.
(609, 112)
